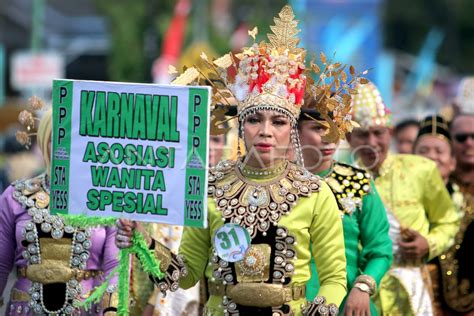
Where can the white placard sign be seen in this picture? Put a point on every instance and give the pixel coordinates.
(136, 151)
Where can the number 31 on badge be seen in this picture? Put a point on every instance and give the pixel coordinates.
(231, 242)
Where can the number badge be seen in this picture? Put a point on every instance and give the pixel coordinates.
(231, 242)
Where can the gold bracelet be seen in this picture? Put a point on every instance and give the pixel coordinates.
(367, 280)
(363, 287)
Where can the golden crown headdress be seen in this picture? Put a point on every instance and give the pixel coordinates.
(273, 76)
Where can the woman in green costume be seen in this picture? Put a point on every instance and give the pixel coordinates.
(287, 213)
(365, 224)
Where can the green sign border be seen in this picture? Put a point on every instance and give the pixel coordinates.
(202, 131)
(60, 191)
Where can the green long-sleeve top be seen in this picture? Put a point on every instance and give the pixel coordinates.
(365, 224)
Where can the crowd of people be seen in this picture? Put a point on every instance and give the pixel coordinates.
(386, 234)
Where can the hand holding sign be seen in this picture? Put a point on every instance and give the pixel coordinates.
(123, 238)
(125, 229)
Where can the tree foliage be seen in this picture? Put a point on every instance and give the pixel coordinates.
(129, 21)
(407, 23)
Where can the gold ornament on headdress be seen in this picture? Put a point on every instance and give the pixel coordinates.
(369, 108)
(28, 120)
(333, 91)
(284, 31)
(273, 76)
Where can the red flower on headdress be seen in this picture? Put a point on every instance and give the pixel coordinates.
(262, 75)
(299, 89)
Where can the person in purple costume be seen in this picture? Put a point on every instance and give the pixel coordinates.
(57, 265)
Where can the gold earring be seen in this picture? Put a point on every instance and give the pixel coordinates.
(239, 152)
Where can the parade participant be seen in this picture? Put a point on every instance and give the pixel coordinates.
(368, 245)
(462, 131)
(422, 217)
(57, 264)
(434, 142)
(405, 134)
(287, 214)
(456, 263)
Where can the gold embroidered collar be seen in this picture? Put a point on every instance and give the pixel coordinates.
(262, 173)
(349, 185)
(257, 204)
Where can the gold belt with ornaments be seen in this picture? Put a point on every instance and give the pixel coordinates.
(41, 274)
(258, 294)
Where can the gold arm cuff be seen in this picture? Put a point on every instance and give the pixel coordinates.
(170, 264)
(163, 254)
